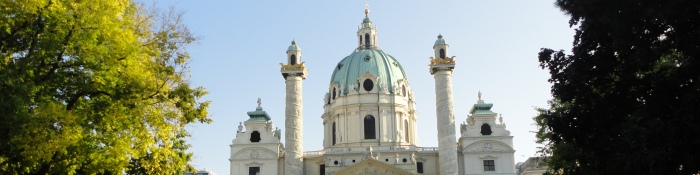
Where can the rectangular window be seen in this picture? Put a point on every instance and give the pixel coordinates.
(489, 165)
(253, 170)
(419, 167)
(322, 169)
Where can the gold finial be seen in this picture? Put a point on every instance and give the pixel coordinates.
(366, 9)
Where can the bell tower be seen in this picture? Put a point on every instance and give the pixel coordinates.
(294, 72)
(440, 47)
(441, 67)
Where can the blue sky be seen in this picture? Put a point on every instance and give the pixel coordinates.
(242, 43)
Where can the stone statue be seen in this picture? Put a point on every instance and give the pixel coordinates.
(413, 157)
(397, 158)
(400, 133)
(240, 127)
(463, 128)
(472, 121)
(368, 153)
(500, 118)
(479, 95)
(278, 133)
(259, 104)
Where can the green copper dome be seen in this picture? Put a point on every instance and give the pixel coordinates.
(439, 40)
(293, 46)
(376, 62)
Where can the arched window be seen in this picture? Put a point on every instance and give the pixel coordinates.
(367, 40)
(333, 133)
(403, 90)
(255, 136)
(368, 85)
(334, 94)
(442, 53)
(369, 127)
(293, 60)
(485, 129)
(360, 39)
(405, 129)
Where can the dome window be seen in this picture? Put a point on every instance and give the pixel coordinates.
(293, 60)
(368, 85)
(333, 133)
(405, 130)
(403, 90)
(369, 127)
(334, 93)
(367, 58)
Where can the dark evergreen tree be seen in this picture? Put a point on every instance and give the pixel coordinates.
(627, 100)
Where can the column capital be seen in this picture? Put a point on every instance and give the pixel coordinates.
(438, 64)
(293, 70)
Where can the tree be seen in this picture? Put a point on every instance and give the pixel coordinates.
(94, 87)
(627, 100)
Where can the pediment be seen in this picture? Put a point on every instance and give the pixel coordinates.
(372, 167)
(488, 146)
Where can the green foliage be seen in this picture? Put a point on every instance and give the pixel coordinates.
(627, 101)
(94, 87)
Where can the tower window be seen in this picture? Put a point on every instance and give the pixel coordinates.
(442, 53)
(489, 165)
(368, 85)
(405, 132)
(367, 40)
(360, 39)
(333, 133)
(253, 170)
(419, 167)
(485, 129)
(369, 127)
(293, 59)
(255, 136)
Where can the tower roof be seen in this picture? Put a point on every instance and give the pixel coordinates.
(439, 40)
(481, 108)
(293, 46)
(259, 114)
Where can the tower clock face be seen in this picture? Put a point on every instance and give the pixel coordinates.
(368, 85)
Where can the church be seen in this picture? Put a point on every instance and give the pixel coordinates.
(369, 122)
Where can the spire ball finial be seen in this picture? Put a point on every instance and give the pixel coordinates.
(293, 42)
(439, 35)
(366, 9)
